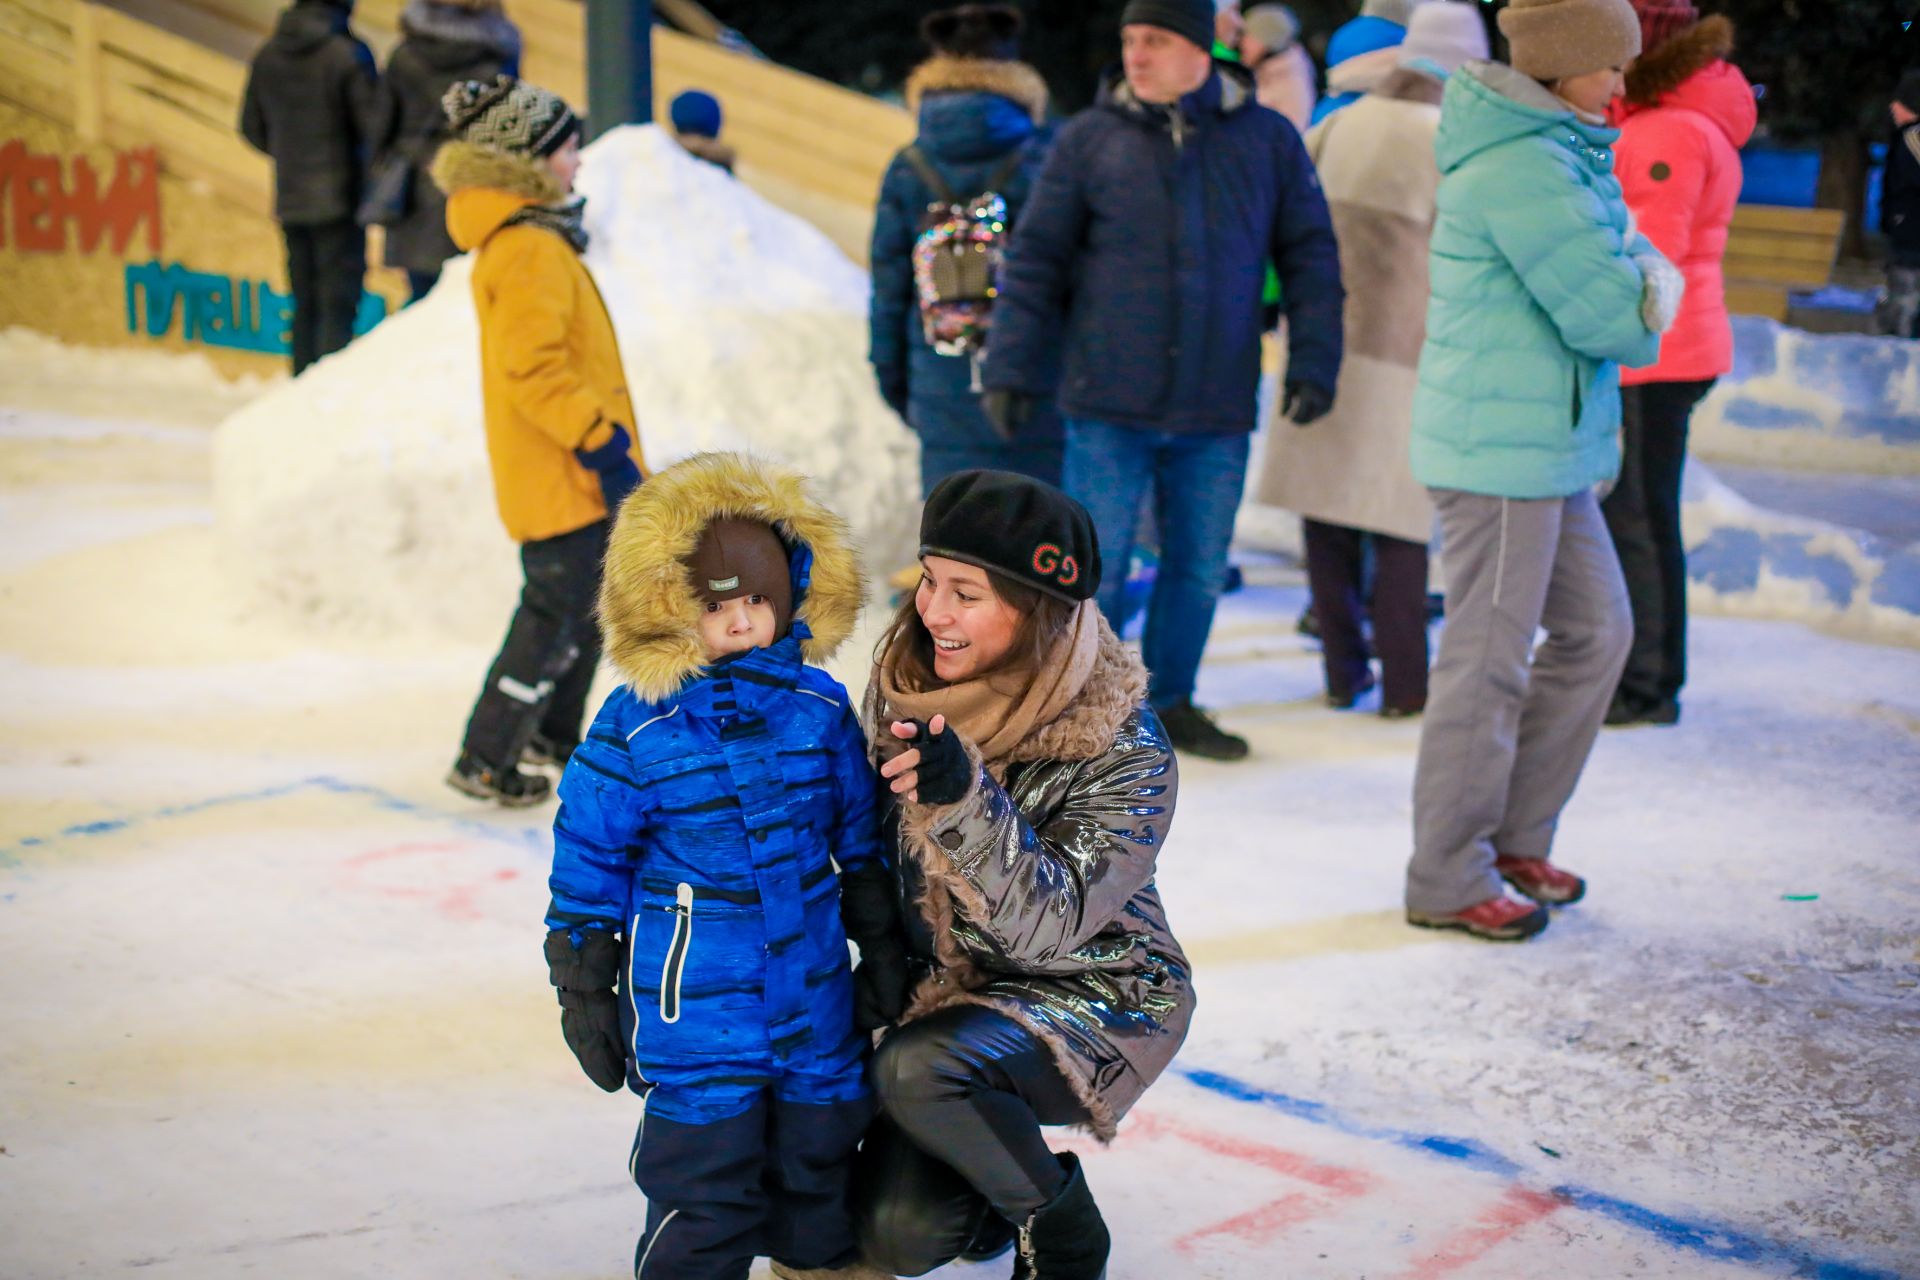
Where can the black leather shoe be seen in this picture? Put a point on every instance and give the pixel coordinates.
(1193, 732)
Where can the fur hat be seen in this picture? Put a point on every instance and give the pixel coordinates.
(1660, 19)
(1446, 34)
(1275, 26)
(736, 557)
(1189, 19)
(1554, 39)
(509, 115)
(989, 31)
(1019, 527)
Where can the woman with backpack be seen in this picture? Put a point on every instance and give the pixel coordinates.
(443, 43)
(980, 111)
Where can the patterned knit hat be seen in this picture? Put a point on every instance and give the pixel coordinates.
(1660, 19)
(1554, 39)
(509, 115)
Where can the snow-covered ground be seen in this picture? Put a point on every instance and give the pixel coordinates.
(273, 1000)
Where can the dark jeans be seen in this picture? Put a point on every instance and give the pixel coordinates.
(964, 1092)
(771, 1182)
(1194, 483)
(543, 674)
(326, 265)
(1643, 515)
(1336, 569)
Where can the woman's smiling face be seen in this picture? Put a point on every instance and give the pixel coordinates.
(972, 628)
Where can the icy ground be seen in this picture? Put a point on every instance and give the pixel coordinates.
(273, 1004)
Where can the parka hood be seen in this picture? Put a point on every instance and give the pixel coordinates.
(1690, 72)
(1488, 103)
(649, 612)
(963, 126)
(454, 35)
(1017, 82)
(310, 24)
(485, 187)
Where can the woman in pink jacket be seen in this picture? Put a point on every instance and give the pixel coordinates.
(1686, 114)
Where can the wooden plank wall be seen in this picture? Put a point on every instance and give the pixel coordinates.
(170, 73)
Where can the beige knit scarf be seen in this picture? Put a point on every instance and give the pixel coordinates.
(997, 711)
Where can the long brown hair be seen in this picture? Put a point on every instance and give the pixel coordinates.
(1043, 620)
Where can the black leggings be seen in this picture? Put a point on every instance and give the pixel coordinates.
(963, 1093)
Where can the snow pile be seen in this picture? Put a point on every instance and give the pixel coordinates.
(358, 495)
(1824, 401)
(86, 384)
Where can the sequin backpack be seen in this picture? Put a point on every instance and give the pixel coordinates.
(956, 257)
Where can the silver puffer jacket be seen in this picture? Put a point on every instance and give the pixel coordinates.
(1035, 891)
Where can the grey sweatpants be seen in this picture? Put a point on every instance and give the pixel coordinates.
(1508, 726)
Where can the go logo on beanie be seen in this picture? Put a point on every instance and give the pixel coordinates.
(1018, 527)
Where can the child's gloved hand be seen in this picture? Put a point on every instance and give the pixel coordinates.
(613, 464)
(935, 768)
(589, 1010)
(869, 908)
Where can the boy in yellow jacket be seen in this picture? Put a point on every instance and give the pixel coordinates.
(557, 414)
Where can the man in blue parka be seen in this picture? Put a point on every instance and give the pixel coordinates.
(1145, 246)
(696, 930)
(981, 112)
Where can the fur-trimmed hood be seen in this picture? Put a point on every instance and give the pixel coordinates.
(486, 187)
(1660, 71)
(1017, 82)
(649, 612)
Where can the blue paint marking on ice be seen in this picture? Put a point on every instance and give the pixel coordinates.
(531, 839)
(1705, 1239)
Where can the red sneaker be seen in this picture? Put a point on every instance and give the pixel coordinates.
(1541, 880)
(1500, 919)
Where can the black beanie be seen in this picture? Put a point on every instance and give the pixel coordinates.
(1189, 19)
(1908, 94)
(974, 31)
(1019, 527)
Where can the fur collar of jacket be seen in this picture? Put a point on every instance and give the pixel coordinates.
(1017, 82)
(1678, 59)
(649, 612)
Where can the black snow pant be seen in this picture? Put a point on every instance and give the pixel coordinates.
(1643, 515)
(1397, 602)
(768, 1183)
(543, 675)
(957, 1154)
(326, 267)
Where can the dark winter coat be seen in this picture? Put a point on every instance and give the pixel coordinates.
(312, 103)
(1900, 196)
(974, 114)
(1034, 893)
(702, 817)
(1146, 239)
(441, 45)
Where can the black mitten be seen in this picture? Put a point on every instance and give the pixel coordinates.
(945, 772)
(589, 1009)
(869, 906)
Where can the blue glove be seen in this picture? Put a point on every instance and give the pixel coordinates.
(614, 466)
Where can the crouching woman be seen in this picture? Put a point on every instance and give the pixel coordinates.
(1032, 787)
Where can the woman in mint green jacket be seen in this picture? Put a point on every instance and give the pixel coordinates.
(1541, 290)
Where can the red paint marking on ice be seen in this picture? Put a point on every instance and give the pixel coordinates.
(455, 901)
(1517, 1209)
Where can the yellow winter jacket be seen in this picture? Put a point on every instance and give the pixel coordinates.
(550, 372)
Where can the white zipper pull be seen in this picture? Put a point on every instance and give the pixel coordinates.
(1026, 1246)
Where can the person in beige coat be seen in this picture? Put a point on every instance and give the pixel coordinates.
(1348, 475)
(1283, 74)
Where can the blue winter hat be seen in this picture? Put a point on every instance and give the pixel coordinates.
(695, 113)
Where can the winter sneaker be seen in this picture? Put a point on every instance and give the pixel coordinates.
(1389, 711)
(1540, 880)
(1193, 732)
(545, 753)
(1064, 1239)
(511, 787)
(1499, 919)
(1343, 700)
(1626, 710)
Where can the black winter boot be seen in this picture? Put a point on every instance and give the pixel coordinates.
(1065, 1239)
(510, 787)
(1193, 732)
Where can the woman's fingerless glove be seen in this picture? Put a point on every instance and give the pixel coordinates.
(589, 1010)
(945, 772)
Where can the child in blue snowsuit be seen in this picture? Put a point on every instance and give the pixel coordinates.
(698, 929)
